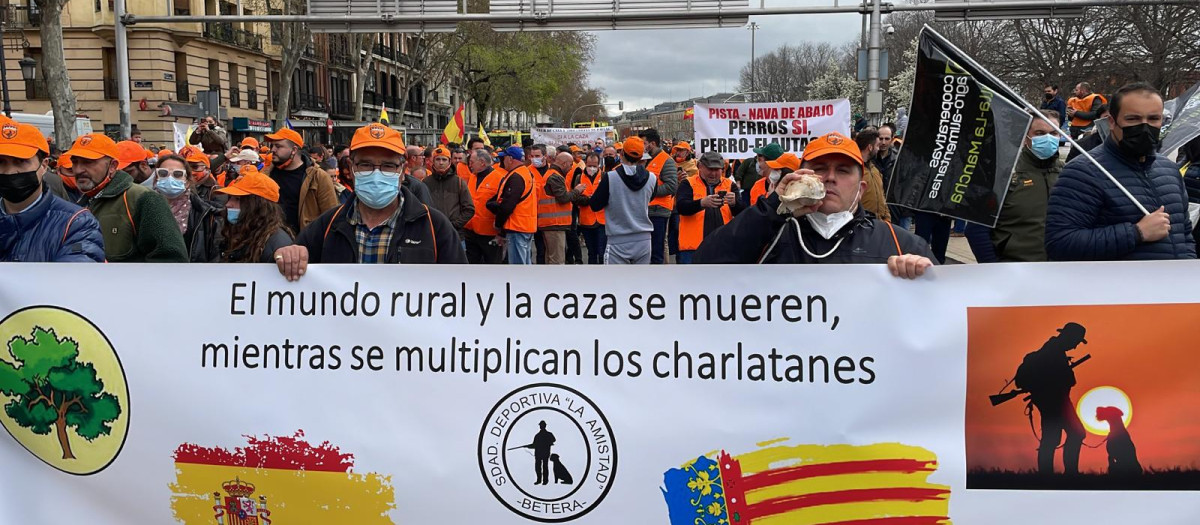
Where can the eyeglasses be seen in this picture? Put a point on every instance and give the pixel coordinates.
(368, 166)
(197, 167)
(163, 173)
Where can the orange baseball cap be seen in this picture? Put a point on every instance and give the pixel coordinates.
(832, 143)
(441, 151)
(787, 160)
(194, 154)
(249, 142)
(129, 152)
(574, 148)
(21, 141)
(253, 182)
(634, 147)
(150, 155)
(165, 152)
(617, 145)
(94, 146)
(376, 135)
(683, 145)
(64, 161)
(288, 135)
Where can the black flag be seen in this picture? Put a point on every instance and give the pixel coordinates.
(963, 138)
(1185, 123)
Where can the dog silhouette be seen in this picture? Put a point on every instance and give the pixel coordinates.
(1122, 455)
(561, 474)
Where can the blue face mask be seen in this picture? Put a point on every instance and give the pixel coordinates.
(1044, 146)
(231, 214)
(170, 186)
(376, 189)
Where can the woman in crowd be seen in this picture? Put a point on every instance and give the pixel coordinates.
(197, 218)
(343, 182)
(253, 228)
(591, 223)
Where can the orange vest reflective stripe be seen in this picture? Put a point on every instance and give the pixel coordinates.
(524, 217)
(1083, 104)
(758, 191)
(655, 166)
(550, 212)
(691, 227)
(587, 217)
(484, 221)
(464, 173)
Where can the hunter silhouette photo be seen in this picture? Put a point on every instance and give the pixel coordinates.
(1083, 398)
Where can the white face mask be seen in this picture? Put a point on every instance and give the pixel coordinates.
(591, 170)
(539, 162)
(828, 225)
(774, 176)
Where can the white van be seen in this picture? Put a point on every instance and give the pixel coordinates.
(45, 123)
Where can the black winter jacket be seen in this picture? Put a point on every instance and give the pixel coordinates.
(422, 236)
(749, 235)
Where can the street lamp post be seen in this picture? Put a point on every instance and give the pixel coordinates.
(571, 121)
(4, 73)
(743, 94)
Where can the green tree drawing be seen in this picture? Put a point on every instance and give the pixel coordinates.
(50, 389)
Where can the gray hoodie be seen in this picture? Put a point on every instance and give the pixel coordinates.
(627, 205)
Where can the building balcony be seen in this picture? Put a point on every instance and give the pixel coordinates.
(36, 90)
(110, 89)
(309, 101)
(225, 32)
(235, 97)
(20, 17)
(183, 92)
(343, 108)
(252, 99)
(385, 52)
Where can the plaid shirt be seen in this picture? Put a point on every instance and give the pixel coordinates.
(373, 242)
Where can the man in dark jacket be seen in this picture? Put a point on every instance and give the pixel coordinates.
(305, 190)
(754, 168)
(1053, 102)
(35, 225)
(384, 224)
(1190, 168)
(448, 191)
(835, 230)
(1090, 219)
(210, 136)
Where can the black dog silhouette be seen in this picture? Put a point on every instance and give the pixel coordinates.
(561, 475)
(1122, 455)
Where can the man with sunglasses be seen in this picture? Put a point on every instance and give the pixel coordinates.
(136, 221)
(384, 224)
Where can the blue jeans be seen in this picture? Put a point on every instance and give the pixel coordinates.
(596, 241)
(658, 239)
(685, 256)
(902, 223)
(519, 249)
(935, 229)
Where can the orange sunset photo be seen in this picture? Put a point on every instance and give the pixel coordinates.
(1083, 397)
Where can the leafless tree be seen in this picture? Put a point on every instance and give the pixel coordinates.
(54, 64)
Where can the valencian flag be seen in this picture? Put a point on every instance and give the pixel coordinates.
(454, 129)
(883, 483)
(1185, 123)
(963, 138)
(383, 116)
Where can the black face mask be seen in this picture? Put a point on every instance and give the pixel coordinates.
(1049, 96)
(18, 186)
(610, 163)
(1139, 140)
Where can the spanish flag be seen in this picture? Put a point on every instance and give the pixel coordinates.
(276, 479)
(454, 130)
(883, 483)
(689, 113)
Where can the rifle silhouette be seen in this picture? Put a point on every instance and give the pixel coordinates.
(1004, 397)
(522, 446)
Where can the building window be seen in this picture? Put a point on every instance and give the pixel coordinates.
(235, 93)
(110, 73)
(181, 7)
(183, 91)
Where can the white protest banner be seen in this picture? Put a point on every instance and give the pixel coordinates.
(381, 395)
(181, 135)
(735, 130)
(555, 137)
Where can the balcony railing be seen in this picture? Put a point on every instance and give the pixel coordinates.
(225, 32)
(252, 99)
(235, 97)
(20, 17)
(183, 92)
(36, 90)
(309, 101)
(344, 108)
(384, 51)
(110, 89)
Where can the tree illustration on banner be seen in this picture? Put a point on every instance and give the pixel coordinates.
(51, 389)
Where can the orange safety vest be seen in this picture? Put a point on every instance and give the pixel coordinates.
(464, 173)
(691, 227)
(549, 212)
(655, 166)
(484, 221)
(524, 218)
(1084, 104)
(758, 191)
(587, 217)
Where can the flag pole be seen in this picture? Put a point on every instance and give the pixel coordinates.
(1037, 113)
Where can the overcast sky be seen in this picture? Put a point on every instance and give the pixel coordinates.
(677, 64)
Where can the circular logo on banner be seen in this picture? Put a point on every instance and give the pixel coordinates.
(62, 388)
(547, 453)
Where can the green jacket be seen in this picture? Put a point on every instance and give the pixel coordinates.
(152, 236)
(1020, 232)
(747, 173)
